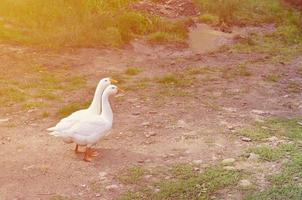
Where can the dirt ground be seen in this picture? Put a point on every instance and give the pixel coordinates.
(150, 128)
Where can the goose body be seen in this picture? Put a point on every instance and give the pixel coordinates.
(87, 132)
(93, 109)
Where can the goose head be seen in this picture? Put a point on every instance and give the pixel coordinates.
(112, 89)
(105, 82)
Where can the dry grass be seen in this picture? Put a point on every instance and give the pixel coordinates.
(53, 23)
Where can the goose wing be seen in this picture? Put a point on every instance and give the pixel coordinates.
(69, 121)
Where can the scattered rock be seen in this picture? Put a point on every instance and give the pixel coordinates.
(300, 123)
(197, 162)
(145, 124)
(253, 157)
(31, 110)
(26, 168)
(97, 194)
(228, 161)
(149, 134)
(230, 127)
(111, 187)
(229, 168)
(152, 112)
(196, 169)
(228, 109)
(259, 112)
(272, 139)
(136, 113)
(246, 139)
(103, 175)
(181, 124)
(147, 176)
(246, 155)
(4, 120)
(245, 183)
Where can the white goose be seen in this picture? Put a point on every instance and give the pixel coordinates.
(93, 109)
(89, 131)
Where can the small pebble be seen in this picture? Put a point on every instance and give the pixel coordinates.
(246, 139)
(228, 161)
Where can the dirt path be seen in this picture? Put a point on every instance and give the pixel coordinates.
(152, 126)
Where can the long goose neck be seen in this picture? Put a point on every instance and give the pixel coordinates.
(95, 105)
(106, 108)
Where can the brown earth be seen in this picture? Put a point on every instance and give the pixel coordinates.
(154, 125)
(150, 129)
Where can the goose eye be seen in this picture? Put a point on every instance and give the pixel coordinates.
(112, 87)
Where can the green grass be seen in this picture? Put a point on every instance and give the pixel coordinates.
(132, 175)
(164, 37)
(294, 87)
(280, 127)
(132, 71)
(59, 197)
(272, 78)
(209, 19)
(267, 153)
(34, 104)
(79, 23)
(187, 184)
(299, 70)
(240, 70)
(201, 70)
(140, 84)
(285, 184)
(249, 12)
(45, 114)
(10, 95)
(169, 79)
(70, 108)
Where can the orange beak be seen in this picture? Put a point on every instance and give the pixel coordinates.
(113, 81)
(120, 90)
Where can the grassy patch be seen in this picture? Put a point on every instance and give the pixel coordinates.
(272, 78)
(188, 184)
(10, 95)
(201, 70)
(287, 183)
(239, 71)
(70, 108)
(209, 19)
(45, 114)
(163, 37)
(255, 133)
(294, 87)
(80, 23)
(249, 12)
(138, 85)
(274, 127)
(132, 175)
(59, 197)
(170, 79)
(74, 83)
(268, 153)
(34, 104)
(132, 71)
